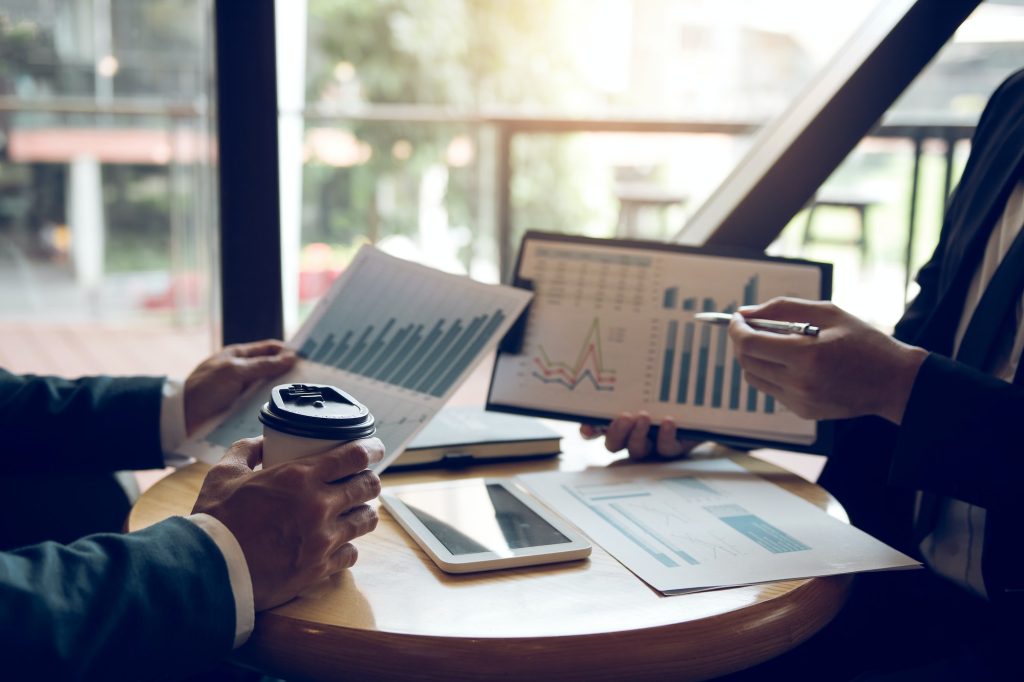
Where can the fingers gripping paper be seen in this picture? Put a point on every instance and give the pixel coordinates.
(612, 329)
(398, 336)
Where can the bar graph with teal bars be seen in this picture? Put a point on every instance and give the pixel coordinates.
(671, 294)
(422, 343)
(773, 539)
(703, 354)
(404, 356)
(670, 354)
(749, 298)
(695, 358)
(721, 341)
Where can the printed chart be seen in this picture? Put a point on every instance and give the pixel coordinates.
(709, 364)
(611, 329)
(704, 524)
(398, 336)
(588, 366)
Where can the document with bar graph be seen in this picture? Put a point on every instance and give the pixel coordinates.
(398, 336)
(703, 524)
(611, 329)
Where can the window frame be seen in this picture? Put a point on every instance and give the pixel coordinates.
(749, 209)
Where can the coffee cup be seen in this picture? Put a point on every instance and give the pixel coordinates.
(306, 419)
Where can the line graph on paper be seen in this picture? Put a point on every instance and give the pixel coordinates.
(612, 329)
(666, 520)
(673, 529)
(589, 365)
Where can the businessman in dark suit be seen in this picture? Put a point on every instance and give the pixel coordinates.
(175, 597)
(927, 455)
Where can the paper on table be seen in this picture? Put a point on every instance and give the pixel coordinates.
(707, 524)
(400, 337)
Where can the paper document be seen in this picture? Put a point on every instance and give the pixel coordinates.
(612, 329)
(398, 336)
(706, 524)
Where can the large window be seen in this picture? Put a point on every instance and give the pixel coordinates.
(443, 129)
(107, 193)
(439, 130)
(877, 218)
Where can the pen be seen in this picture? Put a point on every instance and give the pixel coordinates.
(777, 326)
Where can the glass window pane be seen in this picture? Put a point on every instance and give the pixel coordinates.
(861, 217)
(107, 192)
(425, 126)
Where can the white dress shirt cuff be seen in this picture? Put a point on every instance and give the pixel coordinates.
(238, 573)
(172, 422)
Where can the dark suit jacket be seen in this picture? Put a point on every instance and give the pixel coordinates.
(149, 604)
(960, 435)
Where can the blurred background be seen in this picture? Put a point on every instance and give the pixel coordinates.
(440, 130)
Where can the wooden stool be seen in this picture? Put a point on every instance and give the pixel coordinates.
(637, 197)
(858, 204)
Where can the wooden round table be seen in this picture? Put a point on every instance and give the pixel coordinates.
(397, 616)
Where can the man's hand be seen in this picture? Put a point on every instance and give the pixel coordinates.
(850, 369)
(221, 378)
(295, 521)
(631, 432)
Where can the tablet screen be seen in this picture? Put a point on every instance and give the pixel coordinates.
(484, 517)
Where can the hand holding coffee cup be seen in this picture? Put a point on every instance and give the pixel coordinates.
(306, 419)
(295, 523)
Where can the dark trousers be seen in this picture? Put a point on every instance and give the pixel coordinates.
(904, 625)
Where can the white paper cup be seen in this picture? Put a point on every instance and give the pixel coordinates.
(283, 447)
(305, 419)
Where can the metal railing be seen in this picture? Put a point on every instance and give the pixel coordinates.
(507, 126)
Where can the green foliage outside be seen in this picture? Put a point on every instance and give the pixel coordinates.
(138, 215)
(468, 55)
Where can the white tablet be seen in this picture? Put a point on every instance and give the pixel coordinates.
(480, 524)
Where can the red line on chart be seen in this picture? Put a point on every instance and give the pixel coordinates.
(571, 376)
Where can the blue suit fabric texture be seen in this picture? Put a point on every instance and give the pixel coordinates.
(153, 604)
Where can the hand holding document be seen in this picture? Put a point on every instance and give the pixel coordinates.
(398, 336)
(622, 326)
(706, 524)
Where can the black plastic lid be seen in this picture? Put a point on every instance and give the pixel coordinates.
(317, 411)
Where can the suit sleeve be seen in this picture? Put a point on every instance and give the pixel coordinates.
(110, 606)
(87, 425)
(920, 309)
(961, 436)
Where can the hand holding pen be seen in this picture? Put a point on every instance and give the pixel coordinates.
(843, 368)
(847, 369)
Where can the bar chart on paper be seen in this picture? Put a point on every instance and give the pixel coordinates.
(707, 523)
(424, 356)
(697, 358)
(398, 336)
(612, 329)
